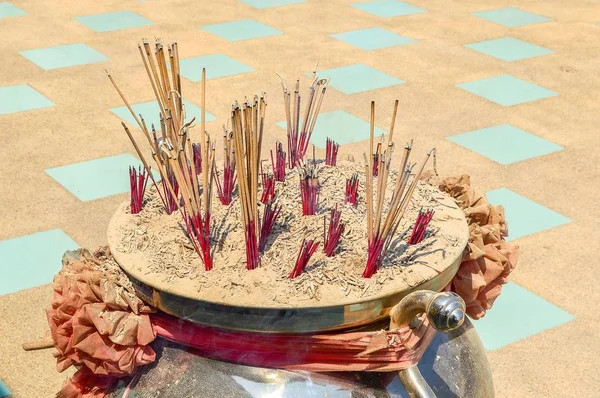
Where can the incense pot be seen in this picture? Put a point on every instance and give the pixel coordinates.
(389, 199)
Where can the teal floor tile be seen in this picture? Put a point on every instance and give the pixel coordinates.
(241, 30)
(388, 8)
(4, 391)
(524, 216)
(98, 178)
(261, 4)
(64, 56)
(110, 21)
(505, 144)
(516, 315)
(8, 10)
(21, 98)
(217, 65)
(507, 90)
(150, 112)
(372, 38)
(509, 49)
(511, 17)
(357, 78)
(340, 126)
(32, 260)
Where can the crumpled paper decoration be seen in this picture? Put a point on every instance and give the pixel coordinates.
(97, 323)
(489, 259)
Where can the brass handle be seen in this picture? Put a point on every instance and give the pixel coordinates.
(445, 311)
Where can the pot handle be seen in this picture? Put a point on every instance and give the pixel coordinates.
(445, 311)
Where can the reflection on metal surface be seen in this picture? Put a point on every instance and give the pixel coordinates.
(454, 365)
(415, 384)
(445, 311)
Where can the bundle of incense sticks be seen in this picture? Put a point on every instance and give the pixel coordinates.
(248, 125)
(352, 190)
(307, 249)
(331, 237)
(420, 227)
(225, 188)
(268, 188)
(278, 165)
(299, 136)
(309, 190)
(173, 153)
(380, 234)
(137, 185)
(331, 150)
(270, 214)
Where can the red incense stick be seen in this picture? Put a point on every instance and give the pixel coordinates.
(309, 192)
(331, 151)
(197, 155)
(307, 249)
(270, 215)
(137, 185)
(420, 227)
(332, 237)
(352, 190)
(278, 163)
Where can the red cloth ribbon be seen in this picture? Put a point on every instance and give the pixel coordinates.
(382, 351)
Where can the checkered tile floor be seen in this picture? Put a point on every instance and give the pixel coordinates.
(35, 258)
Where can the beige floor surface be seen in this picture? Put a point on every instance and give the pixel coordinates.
(559, 265)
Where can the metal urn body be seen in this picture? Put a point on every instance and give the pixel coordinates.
(454, 365)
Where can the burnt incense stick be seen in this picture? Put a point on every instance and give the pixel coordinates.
(299, 135)
(331, 150)
(351, 193)
(331, 236)
(307, 249)
(309, 190)
(270, 214)
(380, 234)
(268, 187)
(420, 227)
(137, 185)
(226, 187)
(178, 161)
(278, 165)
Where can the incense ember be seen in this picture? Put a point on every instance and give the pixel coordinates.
(331, 150)
(137, 184)
(420, 227)
(307, 249)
